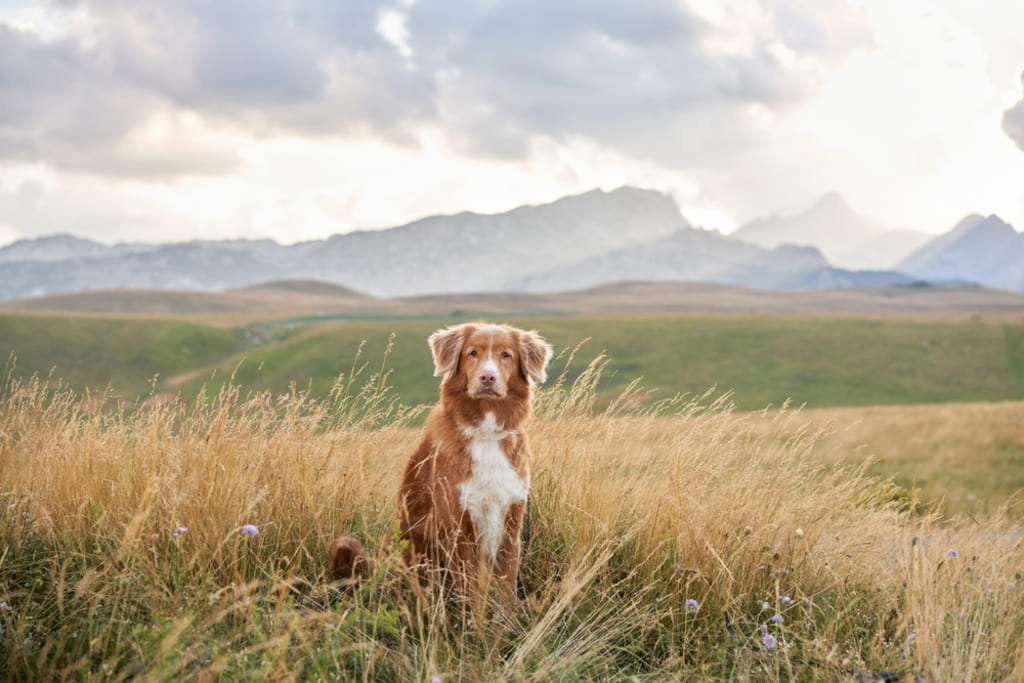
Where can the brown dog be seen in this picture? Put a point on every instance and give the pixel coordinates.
(463, 494)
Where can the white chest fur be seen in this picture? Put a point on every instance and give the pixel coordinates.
(493, 487)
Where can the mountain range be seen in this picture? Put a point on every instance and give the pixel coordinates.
(980, 249)
(843, 237)
(576, 242)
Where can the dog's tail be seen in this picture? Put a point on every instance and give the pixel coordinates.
(347, 558)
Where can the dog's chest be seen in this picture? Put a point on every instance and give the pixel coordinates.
(493, 486)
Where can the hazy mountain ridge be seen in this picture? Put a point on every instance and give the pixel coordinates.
(576, 242)
(464, 252)
(64, 247)
(986, 250)
(845, 238)
(474, 252)
(693, 255)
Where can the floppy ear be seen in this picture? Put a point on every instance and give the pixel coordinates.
(534, 355)
(446, 347)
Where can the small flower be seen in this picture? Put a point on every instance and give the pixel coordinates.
(799, 533)
(768, 639)
(786, 600)
(179, 531)
(778, 619)
(435, 679)
(912, 637)
(691, 606)
(4, 606)
(747, 530)
(953, 552)
(250, 530)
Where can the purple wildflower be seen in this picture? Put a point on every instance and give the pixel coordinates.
(250, 530)
(953, 552)
(778, 619)
(768, 639)
(691, 606)
(179, 531)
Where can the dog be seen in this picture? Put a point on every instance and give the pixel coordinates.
(463, 496)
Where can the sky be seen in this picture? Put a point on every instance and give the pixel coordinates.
(170, 120)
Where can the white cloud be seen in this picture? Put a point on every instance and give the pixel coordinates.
(1013, 120)
(391, 27)
(171, 119)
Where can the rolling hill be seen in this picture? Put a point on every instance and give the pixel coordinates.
(835, 347)
(821, 360)
(312, 300)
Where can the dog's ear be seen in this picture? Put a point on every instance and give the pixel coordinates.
(534, 355)
(446, 348)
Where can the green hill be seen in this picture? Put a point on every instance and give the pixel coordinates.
(815, 360)
(124, 354)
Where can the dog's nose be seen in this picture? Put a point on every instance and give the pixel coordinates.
(488, 378)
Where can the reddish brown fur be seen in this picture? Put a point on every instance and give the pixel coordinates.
(437, 531)
(347, 558)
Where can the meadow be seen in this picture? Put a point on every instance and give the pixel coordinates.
(762, 361)
(681, 540)
(714, 497)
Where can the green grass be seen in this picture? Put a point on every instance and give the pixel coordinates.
(122, 354)
(763, 361)
(820, 362)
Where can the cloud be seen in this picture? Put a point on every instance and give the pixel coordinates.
(1013, 120)
(65, 106)
(652, 78)
(641, 77)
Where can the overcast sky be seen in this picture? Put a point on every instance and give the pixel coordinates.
(163, 120)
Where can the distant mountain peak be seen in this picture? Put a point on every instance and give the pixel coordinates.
(56, 247)
(994, 222)
(986, 250)
(968, 222)
(830, 201)
(833, 209)
(829, 224)
(56, 238)
(973, 225)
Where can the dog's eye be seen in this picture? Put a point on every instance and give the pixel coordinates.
(506, 354)
(473, 353)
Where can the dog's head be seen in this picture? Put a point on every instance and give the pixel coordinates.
(490, 360)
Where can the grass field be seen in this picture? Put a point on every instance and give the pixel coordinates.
(99, 353)
(818, 361)
(957, 458)
(863, 533)
(123, 551)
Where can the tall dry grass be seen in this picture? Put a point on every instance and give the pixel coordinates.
(666, 542)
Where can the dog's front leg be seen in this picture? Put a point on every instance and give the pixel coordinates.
(506, 570)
